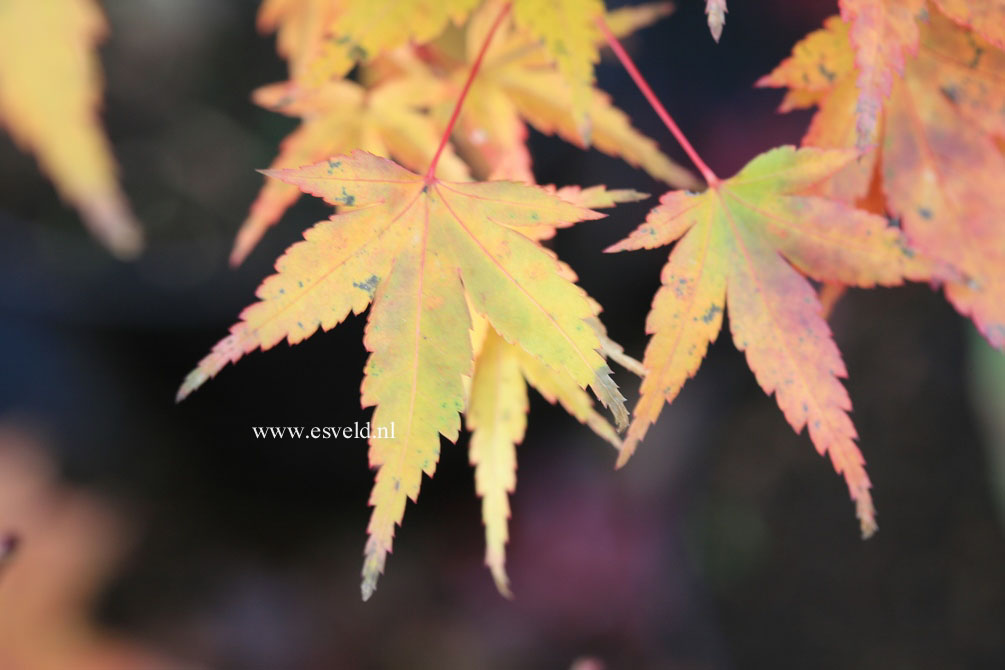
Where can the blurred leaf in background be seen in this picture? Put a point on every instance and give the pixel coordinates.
(50, 91)
(67, 545)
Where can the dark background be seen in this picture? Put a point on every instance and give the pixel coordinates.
(726, 543)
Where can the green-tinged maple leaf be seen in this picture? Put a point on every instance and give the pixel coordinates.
(50, 91)
(938, 170)
(883, 33)
(517, 85)
(340, 116)
(421, 250)
(716, 11)
(496, 414)
(743, 245)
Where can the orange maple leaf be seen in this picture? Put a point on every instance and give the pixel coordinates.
(939, 170)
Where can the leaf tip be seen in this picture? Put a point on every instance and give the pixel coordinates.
(616, 247)
(501, 580)
(371, 573)
(716, 11)
(866, 513)
(368, 586)
(110, 219)
(627, 449)
(237, 255)
(374, 556)
(193, 380)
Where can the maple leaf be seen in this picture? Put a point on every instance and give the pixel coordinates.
(716, 11)
(421, 250)
(338, 117)
(50, 89)
(517, 85)
(942, 178)
(939, 167)
(883, 32)
(497, 407)
(743, 244)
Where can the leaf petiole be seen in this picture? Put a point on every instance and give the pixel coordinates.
(431, 172)
(654, 102)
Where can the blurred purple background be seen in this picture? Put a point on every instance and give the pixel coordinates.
(726, 543)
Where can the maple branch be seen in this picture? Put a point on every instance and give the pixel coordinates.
(654, 102)
(431, 172)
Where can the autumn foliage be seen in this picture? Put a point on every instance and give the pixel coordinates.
(899, 179)
(414, 121)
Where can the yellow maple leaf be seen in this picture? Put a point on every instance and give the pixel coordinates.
(421, 250)
(50, 90)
